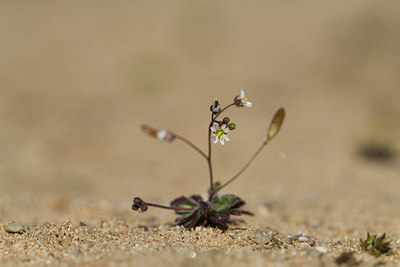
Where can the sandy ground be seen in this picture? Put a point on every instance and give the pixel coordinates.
(77, 79)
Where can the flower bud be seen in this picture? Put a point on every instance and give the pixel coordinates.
(226, 120)
(237, 100)
(215, 107)
(232, 126)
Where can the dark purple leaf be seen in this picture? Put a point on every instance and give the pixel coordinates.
(220, 219)
(194, 214)
(196, 198)
(240, 212)
(183, 202)
(205, 208)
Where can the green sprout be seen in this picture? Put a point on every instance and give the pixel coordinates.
(215, 210)
(377, 245)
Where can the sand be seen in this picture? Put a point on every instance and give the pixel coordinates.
(114, 242)
(147, 240)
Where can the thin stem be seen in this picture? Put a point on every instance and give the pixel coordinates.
(244, 167)
(209, 155)
(183, 139)
(212, 187)
(166, 207)
(225, 108)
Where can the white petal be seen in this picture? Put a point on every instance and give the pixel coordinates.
(241, 95)
(226, 130)
(213, 128)
(222, 141)
(227, 138)
(223, 127)
(161, 134)
(249, 104)
(216, 140)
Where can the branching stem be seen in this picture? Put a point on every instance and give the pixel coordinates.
(225, 108)
(209, 154)
(213, 117)
(243, 169)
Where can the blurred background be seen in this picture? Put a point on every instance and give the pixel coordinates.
(78, 78)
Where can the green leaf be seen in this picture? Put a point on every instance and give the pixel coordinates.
(183, 202)
(386, 241)
(225, 202)
(370, 239)
(217, 185)
(275, 125)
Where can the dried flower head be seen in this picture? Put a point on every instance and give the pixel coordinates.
(162, 135)
(139, 205)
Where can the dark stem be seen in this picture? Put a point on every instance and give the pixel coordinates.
(183, 139)
(225, 108)
(212, 189)
(243, 169)
(166, 207)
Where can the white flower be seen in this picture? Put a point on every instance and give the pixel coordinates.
(241, 101)
(219, 133)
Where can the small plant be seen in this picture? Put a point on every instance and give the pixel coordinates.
(216, 209)
(377, 245)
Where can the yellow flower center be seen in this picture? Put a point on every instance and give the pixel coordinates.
(219, 133)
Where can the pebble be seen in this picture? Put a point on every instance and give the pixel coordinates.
(261, 238)
(303, 239)
(321, 249)
(16, 227)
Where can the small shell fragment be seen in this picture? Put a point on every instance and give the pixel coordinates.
(16, 227)
(302, 237)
